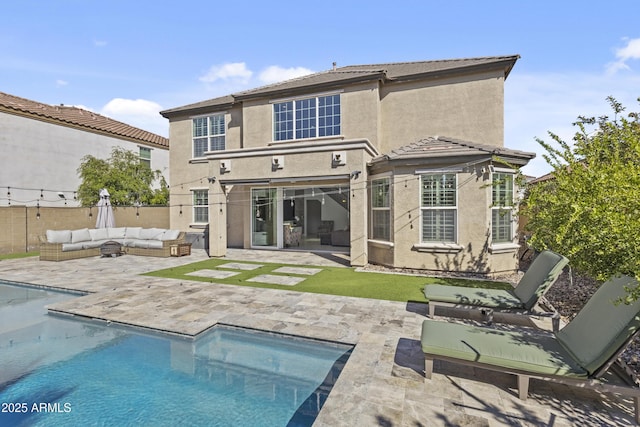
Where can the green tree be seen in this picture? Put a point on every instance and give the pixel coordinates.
(590, 210)
(128, 181)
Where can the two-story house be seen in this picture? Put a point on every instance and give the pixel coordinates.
(353, 159)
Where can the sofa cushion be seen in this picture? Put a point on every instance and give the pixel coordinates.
(59, 236)
(80, 235)
(147, 244)
(67, 247)
(151, 233)
(170, 235)
(93, 243)
(116, 232)
(98, 234)
(133, 232)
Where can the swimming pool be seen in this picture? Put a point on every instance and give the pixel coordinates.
(68, 372)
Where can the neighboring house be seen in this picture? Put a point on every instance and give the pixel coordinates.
(350, 160)
(43, 146)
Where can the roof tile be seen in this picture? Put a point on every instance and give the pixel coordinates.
(337, 77)
(68, 115)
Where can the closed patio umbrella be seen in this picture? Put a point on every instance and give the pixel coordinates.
(105, 211)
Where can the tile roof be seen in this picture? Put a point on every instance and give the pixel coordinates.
(445, 147)
(79, 118)
(340, 76)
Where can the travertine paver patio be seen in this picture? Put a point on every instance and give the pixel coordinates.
(381, 384)
(274, 279)
(240, 266)
(306, 271)
(213, 274)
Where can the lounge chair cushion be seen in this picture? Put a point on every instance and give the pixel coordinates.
(539, 353)
(492, 298)
(595, 334)
(540, 275)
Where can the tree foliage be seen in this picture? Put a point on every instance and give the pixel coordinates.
(128, 181)
(590, 210)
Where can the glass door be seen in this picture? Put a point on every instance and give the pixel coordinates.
(264, 216)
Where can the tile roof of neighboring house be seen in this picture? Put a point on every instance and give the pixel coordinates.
(79, 119)
(546, 177)
(336, 77)
(445, 147)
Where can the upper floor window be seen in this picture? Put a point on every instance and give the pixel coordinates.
(145, 156)
(438, 207)
(208, 134)
(306, 118)
(380, 209)
(502, 204)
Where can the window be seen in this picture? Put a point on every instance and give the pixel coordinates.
(145, 157)
(208, 134)
(200, 206)
(306, 118)
(502, 203)
(380, 209)
(438, 207)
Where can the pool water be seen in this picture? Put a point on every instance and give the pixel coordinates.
(58, 371)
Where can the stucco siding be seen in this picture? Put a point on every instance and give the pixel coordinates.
(473, 225)
(186, 175)
(360, 107)
(469, 108)
(257, 123)
(41, 155)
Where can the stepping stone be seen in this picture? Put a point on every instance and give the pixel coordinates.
(272, 279)
(306, 271)
(213, 274)
(240, 266)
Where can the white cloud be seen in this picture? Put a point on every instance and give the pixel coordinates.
(229, 71)
(61, 83)
(274, 73)
(140, 113)
(99, 43)
(623, 55)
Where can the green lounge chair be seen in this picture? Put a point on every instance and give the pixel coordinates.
(542, 273)
(576, 355)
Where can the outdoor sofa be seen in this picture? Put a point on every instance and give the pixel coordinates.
(578, 355)
(61, 245)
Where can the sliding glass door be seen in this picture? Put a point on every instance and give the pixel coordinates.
(264, 217)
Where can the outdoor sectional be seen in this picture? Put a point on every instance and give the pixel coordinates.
(61, 245)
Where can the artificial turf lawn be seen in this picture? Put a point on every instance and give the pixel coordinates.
(331, 280)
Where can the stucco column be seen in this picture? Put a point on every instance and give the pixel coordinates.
(358, 220)
(217, 220)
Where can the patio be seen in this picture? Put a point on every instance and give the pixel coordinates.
(382, 384)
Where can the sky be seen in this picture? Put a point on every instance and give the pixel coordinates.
(131, 59)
